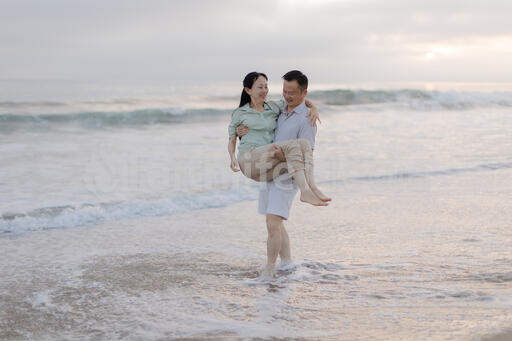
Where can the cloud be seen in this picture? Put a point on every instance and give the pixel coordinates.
(207, 40)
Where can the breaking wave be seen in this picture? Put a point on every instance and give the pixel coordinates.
(33, 115)
(414, 99)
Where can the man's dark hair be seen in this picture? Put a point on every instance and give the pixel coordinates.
(299, 77)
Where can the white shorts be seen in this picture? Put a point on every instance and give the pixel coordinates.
(276, 197)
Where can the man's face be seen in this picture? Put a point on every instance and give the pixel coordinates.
(292, 93)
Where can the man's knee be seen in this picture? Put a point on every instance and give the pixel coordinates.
(274, 223)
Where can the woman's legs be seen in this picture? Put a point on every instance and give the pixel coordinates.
(258, 164)
(302, 160)
(309, 166)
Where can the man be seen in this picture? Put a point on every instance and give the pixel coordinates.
(276, 197)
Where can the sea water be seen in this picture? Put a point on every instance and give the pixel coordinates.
(120, 218)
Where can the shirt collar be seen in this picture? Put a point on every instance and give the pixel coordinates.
(301, 108)
(247, 107)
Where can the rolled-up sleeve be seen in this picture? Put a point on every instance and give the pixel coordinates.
(235, 122)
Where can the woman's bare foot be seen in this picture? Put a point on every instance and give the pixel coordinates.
(319, 194)
(311, 182)
(310, 197)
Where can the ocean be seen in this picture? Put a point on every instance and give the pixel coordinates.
(120, 217)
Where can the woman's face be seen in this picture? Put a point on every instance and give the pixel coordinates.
(259, 90)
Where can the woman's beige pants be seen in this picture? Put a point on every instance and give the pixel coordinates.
(258, 164)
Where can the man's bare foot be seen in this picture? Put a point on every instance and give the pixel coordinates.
(285, 264)
(268, 272)
(310, 197)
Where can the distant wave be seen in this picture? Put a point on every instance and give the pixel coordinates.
(27, 115)
(113, 118)
(450, 171)
(86, 214)
(11, 104)
(414, 99)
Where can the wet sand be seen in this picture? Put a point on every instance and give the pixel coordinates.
(434, 269)
(506, 336)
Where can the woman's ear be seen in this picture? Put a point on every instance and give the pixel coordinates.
(247, 90)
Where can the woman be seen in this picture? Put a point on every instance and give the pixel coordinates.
(256, 155)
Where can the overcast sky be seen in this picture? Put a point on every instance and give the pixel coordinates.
(203, 40)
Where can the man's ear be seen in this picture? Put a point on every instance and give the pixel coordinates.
(305, 92)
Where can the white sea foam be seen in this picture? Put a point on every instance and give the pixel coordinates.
(86, 214)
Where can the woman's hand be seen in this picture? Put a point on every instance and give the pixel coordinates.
(313, 116)
(234, 166)
(313, 113)
(276, 152)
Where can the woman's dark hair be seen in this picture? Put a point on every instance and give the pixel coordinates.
(248, 82)
(297, 76)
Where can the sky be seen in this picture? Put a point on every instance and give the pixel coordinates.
(222, 40)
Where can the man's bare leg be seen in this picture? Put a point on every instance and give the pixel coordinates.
(274, 225)
(285, 251)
